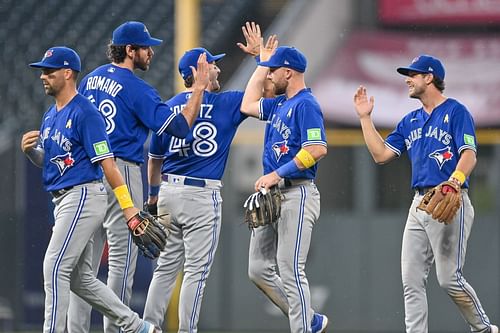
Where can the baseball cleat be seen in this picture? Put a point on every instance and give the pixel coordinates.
(319, 323)
(493, 329)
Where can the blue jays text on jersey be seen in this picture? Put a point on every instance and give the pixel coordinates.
(204, 152)
(291, 125)
(434, 141)
(74, 139)
(130, 107)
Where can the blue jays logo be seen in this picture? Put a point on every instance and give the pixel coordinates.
(442, 155)
(280, 149)
(63, 162)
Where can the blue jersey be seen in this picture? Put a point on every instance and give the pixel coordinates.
(130, 107)
(434, 141)
(291, 125)
(203, 153)
(74, 139)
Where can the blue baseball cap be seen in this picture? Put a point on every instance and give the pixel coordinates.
(133, 33)
(287, 56)
(425, 64)
(190, 58)
(59, 57)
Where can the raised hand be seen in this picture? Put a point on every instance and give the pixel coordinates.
(266, 51)
(251, 32)
(362, 104)
(200, 73)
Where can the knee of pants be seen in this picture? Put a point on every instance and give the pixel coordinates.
(447, 281)
(413, 282)
(50, 269)
(258, 272)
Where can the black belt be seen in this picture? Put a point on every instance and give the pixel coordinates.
(293, 182)
(423, 190)
(57, 193)
(187, 181)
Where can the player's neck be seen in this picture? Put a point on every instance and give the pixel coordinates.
(432, 100)
(126, 65)
(64, 97)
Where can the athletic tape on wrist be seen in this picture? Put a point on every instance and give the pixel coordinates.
(458, 175)
(123, 196)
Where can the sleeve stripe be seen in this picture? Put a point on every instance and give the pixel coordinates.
(156, 157)
(261, 112)
(394, 149)
(310, 143)
(101, 157)
(166, 123)
(465, 147)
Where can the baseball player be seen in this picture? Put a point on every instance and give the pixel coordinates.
(131, 107)
(440, 140)
(185, 180)
(294, 142)
(71, 147)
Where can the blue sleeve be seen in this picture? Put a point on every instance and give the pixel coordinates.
(92, 132)
(152, 112)
(178, 126)
(267, 107)
(464, 134)
(312, 128)
(395, 141)
(158, 146)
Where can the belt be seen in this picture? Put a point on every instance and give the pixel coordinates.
(190, 181)
(57, 193)
(288, 182)
(423, 190)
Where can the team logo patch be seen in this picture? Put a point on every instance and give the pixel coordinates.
(68, 124)
(446, 119)
(280, 148)
(313, 134)
(63, 162)
(101, 148)
(442, 155)
(47, 54)
(469, 140)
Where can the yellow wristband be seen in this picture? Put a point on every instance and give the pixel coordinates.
(458, 175)
(123, 197)
(305, 158)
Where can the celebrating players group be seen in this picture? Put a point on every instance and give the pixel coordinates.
(90, 148)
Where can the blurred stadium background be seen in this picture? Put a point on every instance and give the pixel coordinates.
(353, 266)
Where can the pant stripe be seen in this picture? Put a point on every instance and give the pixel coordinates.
(192, 321)
(60, 256)
(296, 257)
(127, 261)
(459, 275)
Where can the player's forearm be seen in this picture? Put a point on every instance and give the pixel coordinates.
(254, 92)
(467, 162)
(154, 179)
(36, 156)
(193, 106)
(374, 142)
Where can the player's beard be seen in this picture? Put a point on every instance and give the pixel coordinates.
(214, 85)
(280, 87)
(142, 64)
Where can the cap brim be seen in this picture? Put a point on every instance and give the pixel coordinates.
(269, 64)
(216, 57)
(41, 64)
(406, 71)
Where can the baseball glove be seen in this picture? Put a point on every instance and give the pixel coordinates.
(442, 202)
(148, 234)
(263, 207)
